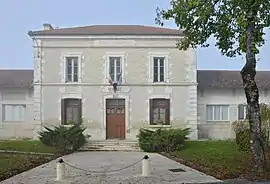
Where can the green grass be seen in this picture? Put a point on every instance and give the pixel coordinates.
(26, 146)
(12, 164)
(221, 159)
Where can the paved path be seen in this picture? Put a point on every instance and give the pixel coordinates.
(102, 161)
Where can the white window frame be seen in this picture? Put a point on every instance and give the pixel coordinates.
(13, 105)
(153, 55)
(64, 68)
(245, 112)
(122, 57)
(213, 113)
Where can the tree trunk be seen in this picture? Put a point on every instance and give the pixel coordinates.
(252, 94)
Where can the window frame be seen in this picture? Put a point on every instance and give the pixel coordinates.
(166, 57)
(122, 57)
(64, 67)
(70, 103)
(115, 66)
(167, 108)
(13, 105)
(159, 59)
(213, 113)
(72, 59)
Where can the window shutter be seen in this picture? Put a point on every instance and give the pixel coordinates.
(168, 112)
(150, 111)
(80, 110)
(63, 112)
(240, 112)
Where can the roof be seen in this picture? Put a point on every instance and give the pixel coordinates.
(108, 30)
(207, 79)
(16, 78)
(221, 79)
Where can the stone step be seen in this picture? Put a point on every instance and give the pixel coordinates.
(109, 148)
(108, 144)
(111, 145)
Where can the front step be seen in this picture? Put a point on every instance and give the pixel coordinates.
(111, 145)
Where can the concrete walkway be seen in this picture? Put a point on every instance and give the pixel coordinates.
(106, 161)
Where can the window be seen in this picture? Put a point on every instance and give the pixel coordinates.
(217, 112)
(71, 111)
(158, 70)
(115, 69)
(242, 112)
(14, 112)
(159, 111)
(72, 69)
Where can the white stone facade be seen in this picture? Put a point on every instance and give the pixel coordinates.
(137, 86)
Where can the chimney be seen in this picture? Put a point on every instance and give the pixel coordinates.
(47, 26)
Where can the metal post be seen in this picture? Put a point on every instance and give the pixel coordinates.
(60, 170)
(146, 166)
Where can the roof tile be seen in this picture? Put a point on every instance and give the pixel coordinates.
(208, 79)
(16, 78)
(110, 30)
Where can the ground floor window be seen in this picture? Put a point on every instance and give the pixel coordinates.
(71, 111)
(159, 111)
(14, 112)
(217, 112)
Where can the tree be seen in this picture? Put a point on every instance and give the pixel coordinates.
(237, 26)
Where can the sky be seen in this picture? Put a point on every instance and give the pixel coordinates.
(17, 17)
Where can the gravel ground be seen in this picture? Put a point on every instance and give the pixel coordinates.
(106, 161)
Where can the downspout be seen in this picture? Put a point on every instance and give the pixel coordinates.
(39, 55)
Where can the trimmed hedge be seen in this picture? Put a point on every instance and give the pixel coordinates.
(242, 135)
(162, 140)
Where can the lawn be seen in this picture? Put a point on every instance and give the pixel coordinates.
(220, 159)
(26, 146)
(12, 164)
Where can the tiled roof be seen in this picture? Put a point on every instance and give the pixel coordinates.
(109, 30)
(208, 79)
(16, 78)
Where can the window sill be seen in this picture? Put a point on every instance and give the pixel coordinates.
(72, 83)
(242, 120)
(67, 125)
(159, 83)
(13, 121)
(218, 121)
(160, 126)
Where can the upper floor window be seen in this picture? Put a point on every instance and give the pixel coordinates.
(242, 112)
(115, 69)
(158, 69)
(72, 69)
(217, 112)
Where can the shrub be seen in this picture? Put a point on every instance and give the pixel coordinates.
(64, 139)
(162, 140)
(242, 135)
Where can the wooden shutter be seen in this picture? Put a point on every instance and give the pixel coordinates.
(150, 111)
(63, 112)
(167, 118)
(80, 110)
